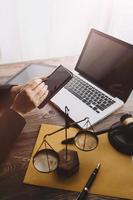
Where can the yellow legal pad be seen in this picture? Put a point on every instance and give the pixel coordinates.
(115, 177)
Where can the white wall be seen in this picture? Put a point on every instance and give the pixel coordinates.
(122, 20)
(54, 28)
(10, 49)
(33, 29)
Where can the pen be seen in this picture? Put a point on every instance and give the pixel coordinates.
(92, 177)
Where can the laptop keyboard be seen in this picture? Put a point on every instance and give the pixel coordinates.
(88, 94)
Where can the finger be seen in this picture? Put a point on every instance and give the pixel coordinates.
(44, 78)
(37, 100)
(15, 90)
(40, 87)
(39, 93)
(42, 92)
(33, 84)
(43, 97)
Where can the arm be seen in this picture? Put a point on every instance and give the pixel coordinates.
(11, 125)
(8, 130)
(12, 121)
(5, 96)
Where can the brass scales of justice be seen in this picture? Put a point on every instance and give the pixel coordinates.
(66, 161)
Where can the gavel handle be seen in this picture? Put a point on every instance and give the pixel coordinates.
(109, 129)
(103, 131)
(71, 139)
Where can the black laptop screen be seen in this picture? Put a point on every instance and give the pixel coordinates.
(109, 63)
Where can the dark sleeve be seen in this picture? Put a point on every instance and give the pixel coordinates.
(11, 125)
(4, 89)
(5, 96)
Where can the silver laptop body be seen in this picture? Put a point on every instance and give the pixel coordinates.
(100, 80)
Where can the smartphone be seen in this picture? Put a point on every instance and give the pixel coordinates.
(56, 81)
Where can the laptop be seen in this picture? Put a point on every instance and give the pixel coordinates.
(102, 79)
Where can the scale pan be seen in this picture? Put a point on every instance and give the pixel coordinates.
(86, 140)
(46, 160)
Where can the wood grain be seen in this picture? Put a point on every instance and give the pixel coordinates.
(12, 171)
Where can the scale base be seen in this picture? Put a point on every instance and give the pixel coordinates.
(121, 140)
(70, 166)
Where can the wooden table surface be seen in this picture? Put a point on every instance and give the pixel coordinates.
(12, 171)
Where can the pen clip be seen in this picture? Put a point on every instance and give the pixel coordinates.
(86, 189)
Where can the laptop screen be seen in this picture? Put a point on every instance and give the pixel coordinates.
(108, 62)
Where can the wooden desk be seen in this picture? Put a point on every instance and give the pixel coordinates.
(13, 170)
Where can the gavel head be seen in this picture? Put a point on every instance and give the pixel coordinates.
(121, 137)
(127, 121)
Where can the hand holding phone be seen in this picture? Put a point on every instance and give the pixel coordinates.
(56, 81)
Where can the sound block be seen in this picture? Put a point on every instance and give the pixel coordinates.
(67, 168)
(120, 139)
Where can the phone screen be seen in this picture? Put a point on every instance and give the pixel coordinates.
(57, 78)
(56, 81)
